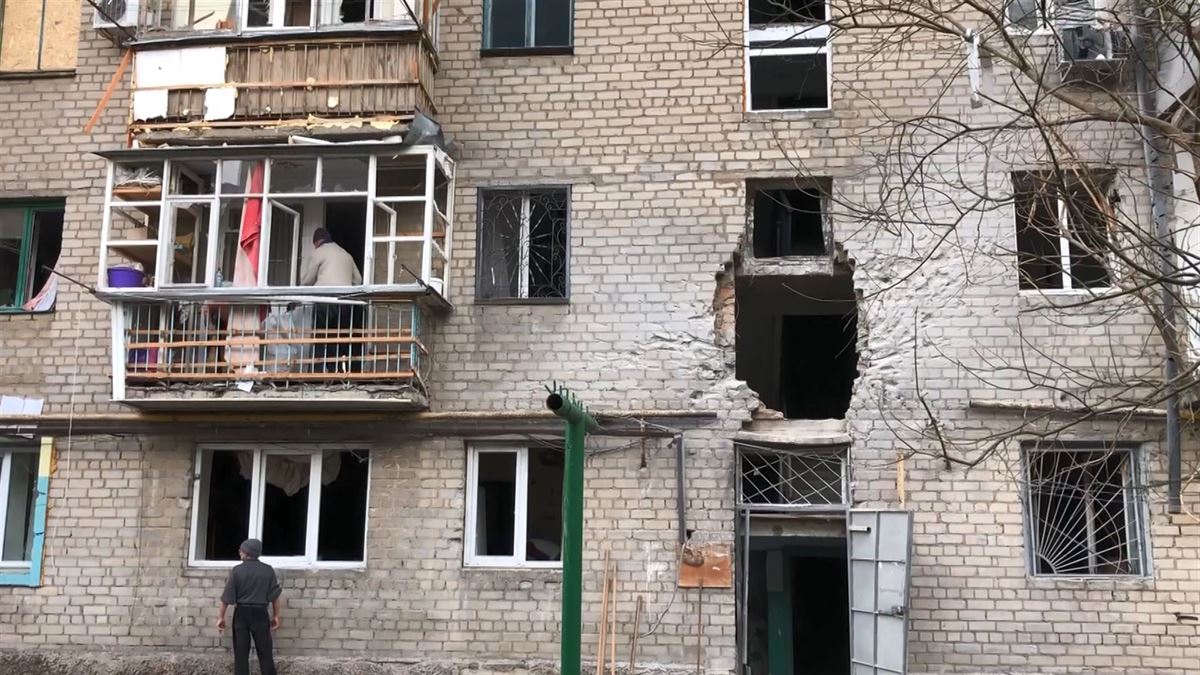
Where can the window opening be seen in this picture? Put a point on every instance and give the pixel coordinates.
(30, 243)
(788, 221)
(1062, 232)
(514, 506)
(273, 495)
(527, 24)
(1084, 512)
(787, 55)
(18, 492)
(797, 343)
(523, 244)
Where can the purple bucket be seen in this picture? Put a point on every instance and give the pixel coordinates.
(125, 277)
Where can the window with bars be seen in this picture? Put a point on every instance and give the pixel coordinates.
(1062, 230)
(1084, 512)
(776, 477)
(523, 244)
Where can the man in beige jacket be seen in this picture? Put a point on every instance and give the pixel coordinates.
(330, 265)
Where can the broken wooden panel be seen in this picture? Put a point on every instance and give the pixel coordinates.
(323, 79)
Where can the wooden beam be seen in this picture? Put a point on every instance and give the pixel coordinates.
(116, 78)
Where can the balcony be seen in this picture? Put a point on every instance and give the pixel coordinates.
(217, 261)
(213, 355)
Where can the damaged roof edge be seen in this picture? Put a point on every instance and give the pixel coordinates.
(261, 150)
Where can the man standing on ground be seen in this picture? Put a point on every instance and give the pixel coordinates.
(330, 265)
(251, 587)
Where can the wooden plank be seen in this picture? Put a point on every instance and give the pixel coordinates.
(281, 375)
(254, 342)
(116, 78)
(20, 50)
(61, 34)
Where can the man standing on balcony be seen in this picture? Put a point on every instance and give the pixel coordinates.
(330, 265)
(251, 587)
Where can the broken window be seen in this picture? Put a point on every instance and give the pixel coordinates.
(18, 492)
(527, 24)
(1062, 231)
(30, 241)
(789, 477)
(523, 244)
(787, 220)
(797, 342)
(38, 36)
(1027, 15)
(249, 221)
(1083, 511)
(514, 507)
(788, 55)
(272, 494)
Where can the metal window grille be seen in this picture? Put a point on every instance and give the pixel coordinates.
(1084, 514)
(523, 244)
(792, 478)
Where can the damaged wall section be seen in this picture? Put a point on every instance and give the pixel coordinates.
(797, 343)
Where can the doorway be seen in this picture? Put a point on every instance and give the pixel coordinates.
(797, 616)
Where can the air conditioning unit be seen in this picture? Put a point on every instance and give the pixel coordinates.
(115, 15)
(1095, 47)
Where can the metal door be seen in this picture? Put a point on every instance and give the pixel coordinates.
(879, 547)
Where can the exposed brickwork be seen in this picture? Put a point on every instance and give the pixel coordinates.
(644, 122)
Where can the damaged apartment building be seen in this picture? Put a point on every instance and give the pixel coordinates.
(687, 214)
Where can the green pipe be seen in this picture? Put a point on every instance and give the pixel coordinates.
(579, 422)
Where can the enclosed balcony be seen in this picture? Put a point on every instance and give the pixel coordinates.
(317, 266)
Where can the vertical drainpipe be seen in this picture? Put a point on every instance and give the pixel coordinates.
(680, 497)
(1155, 149)
(579, 423)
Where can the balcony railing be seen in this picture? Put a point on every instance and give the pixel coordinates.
(181, 17)
(184, 350)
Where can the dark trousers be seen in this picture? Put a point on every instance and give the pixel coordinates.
(252, 623)
(344, 320)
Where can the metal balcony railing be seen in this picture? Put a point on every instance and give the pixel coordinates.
(270, 345)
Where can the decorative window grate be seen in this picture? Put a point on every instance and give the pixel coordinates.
(792, 478)
(523, 244)
(1084, 515)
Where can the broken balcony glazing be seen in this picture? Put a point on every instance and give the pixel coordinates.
(190, 222)
(175, 17)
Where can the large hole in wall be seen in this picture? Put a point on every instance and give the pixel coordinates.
(797, 342)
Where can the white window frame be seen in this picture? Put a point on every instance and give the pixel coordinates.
(779, 33)
(258, 490)
(321, 15)
(6, 455)
(521, 514)
(435, 161)
(1062, 220)
(1137, 530)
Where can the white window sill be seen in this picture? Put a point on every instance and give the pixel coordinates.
(279, 565)
(1099, 581)
(510, 566)
(1097, 293)
(789, 113)
(15, 566)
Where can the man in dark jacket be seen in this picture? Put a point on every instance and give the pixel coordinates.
(251, 587)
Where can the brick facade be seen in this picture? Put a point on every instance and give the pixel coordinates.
(645, 123)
